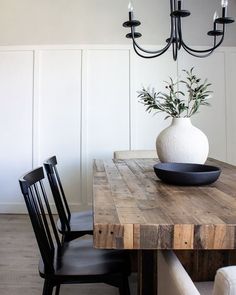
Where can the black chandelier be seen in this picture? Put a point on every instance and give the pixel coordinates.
(176, 38)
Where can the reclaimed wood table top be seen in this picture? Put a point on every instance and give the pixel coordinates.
(133, 209)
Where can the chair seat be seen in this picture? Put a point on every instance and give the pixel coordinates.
(81, 259)
(79, 222)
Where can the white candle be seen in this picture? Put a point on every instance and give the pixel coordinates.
(130, 7)
(224, 3)
(215, 16)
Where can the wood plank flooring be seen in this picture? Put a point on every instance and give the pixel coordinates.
(19, 257)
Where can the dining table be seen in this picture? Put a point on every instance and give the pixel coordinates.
(134, 210)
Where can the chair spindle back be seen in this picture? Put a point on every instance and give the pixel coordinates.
(38, 207)
(58, 192)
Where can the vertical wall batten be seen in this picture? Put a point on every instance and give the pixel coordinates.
(36, 108)
(130, 103)
(84, 129)
(226, 109)
(80, 197)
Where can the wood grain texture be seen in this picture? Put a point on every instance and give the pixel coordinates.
(133, 209)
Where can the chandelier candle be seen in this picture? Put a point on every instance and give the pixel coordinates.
(224, 4)
(214, 20)
(176, 40)
(130, 9)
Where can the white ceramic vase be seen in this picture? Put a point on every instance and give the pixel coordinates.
(181, 142)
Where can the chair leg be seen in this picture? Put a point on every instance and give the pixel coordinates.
(47, 288)
(124, 286)
(57, 289)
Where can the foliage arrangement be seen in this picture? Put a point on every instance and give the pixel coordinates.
(175, 102)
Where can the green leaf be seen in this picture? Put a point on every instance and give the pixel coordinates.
(175, 102)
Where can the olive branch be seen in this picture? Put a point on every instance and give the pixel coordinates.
(176, 103)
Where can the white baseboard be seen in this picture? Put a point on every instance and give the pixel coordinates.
(20, 208)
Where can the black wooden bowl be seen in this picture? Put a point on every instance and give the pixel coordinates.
(186, 174)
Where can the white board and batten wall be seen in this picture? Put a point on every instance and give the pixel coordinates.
(80, 103)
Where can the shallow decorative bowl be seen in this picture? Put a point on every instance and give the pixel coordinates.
(187, 174)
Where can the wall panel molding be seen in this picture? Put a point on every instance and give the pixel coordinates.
(97, 85)
(59, 125)
(16, 96)
(107, 107)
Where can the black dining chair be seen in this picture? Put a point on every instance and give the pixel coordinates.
(70, 225)
(69, 262)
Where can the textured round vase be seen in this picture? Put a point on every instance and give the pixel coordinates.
(181, 142)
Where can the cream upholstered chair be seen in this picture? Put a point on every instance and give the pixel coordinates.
(174, 280)
(225, 281)
(135, 154)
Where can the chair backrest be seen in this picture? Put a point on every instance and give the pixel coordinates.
(135, 154)
(38, 207)
(58, 192)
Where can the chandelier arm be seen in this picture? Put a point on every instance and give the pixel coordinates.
(214, 41)
(195, 54)
(175, 50)
(148, 56)
(175, 43)
(178, 28)
(209, 50)
(164, 49)
(177, 33)
(151, 51)
(205, 50)
(187, 49)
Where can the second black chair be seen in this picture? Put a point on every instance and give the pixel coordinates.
(70, 225)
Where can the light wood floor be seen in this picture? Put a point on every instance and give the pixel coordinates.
(19, 257)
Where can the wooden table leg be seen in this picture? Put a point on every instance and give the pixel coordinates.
(147, 272)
